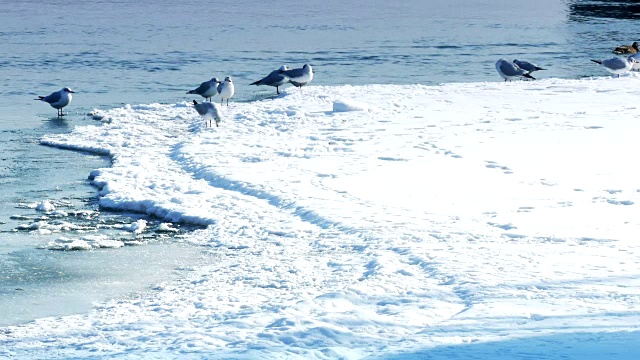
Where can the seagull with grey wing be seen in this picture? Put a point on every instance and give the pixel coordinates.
(209, 111)
(508, 70)
(226, 90)
(300, 76)
(617, 65)
(58, 99)
(525, 65)
(207, 89)
(636, 61)
(275, 78)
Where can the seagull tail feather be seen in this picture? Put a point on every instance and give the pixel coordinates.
(529, 76)
(597, 61)
(256, 83)
(39, 98)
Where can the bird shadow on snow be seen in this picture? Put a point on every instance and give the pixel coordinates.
(619, 345)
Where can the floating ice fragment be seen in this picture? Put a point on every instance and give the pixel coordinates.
(109, 244)
(32, 226)
(66, 244)
(136, 227)
(166, 227)
(45, 206)
(83, 243)
(59, 213)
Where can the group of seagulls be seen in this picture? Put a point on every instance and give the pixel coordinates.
(213, 87)
(297, 77)
(208, 89)
(516, 69)
(509, 70)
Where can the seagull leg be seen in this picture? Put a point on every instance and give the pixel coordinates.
(277, 90)
(227, 102)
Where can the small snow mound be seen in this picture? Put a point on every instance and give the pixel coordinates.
(66, 244)
(109, 244)
(349, 105)
(95, 115)
(33, 226)
(45, 206)
(59, 213)
(166, 227)
(136, 227)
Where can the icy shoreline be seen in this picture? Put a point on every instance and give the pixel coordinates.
(377, 220)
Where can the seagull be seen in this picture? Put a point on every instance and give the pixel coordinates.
(58, 99)
(226, 90)
(617, 65)
(300, 76)
(525, 65)
(626, 49)
(207, 89)
(636, 61)
(208, 111)
(509, 70)
(275, 78)
(296, 84)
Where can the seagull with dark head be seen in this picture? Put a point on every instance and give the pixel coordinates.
(509, 70)
(275, 78)
(58, 99)
(300, 76)
(616, 65)
(207, 89)
(209, 111)
(525, 65)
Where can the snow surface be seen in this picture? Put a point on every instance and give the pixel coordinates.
(484, 220)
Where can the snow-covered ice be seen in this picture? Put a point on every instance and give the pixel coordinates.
(88, 242)
(481, 220)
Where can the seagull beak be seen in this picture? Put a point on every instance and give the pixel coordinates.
(73, 92)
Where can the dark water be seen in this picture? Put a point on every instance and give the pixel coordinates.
(117, 52)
